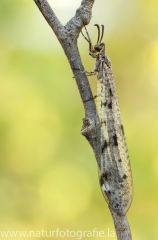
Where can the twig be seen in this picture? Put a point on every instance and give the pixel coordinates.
(121, 225)
(67, 36)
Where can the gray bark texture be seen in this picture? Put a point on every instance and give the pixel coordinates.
(67, 36)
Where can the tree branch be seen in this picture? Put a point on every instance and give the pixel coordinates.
(50, 17)
(67, 36)
(121, 225)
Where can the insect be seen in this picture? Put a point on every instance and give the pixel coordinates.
(114, 170)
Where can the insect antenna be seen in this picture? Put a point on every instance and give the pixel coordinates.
(98, 31)
(102, 33)
(84, 36)
(87, 38)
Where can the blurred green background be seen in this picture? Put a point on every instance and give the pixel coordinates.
(48, 174)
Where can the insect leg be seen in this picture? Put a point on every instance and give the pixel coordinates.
(94, 97)
(87, 73)
(90, 73)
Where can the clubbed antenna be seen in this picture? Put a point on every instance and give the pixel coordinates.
(98, 31)
(102, 33)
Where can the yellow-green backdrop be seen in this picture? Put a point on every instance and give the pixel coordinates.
(48, 174)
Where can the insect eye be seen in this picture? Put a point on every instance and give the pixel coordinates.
(97, 48)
